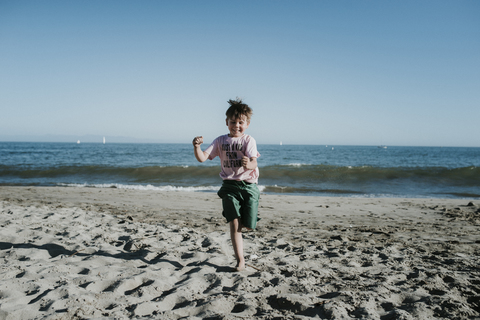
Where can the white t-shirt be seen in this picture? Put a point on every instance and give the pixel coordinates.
(231, 150)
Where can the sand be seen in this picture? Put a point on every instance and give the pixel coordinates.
(84, 253)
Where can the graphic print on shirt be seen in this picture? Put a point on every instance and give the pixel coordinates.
(231, 152)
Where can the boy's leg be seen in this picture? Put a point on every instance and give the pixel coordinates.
(237, 243)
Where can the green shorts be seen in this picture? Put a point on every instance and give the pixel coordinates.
(240, 200)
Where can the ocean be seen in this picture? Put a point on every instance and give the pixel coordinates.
(317, 170)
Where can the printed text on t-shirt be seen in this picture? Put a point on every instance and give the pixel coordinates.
(231, 154)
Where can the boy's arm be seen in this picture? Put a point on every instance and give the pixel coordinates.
(249, 163)
(199, 154)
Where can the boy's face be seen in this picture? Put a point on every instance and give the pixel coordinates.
(237, 126)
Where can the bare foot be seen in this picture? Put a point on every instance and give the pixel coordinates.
(240, 266)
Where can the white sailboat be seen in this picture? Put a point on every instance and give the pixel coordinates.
(103, 140)
(281, 143)
(78, 141)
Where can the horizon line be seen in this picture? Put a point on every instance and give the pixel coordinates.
(284, 144)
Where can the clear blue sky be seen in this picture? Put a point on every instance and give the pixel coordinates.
(314, 72)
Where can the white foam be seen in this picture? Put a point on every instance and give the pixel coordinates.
(297, 164)
(141, 187)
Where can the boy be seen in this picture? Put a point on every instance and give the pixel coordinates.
(238, 154)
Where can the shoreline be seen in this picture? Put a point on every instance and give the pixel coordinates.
(117, 253)
(264, 189)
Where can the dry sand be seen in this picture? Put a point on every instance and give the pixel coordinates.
(83, 253)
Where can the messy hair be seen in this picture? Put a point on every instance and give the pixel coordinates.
(238, 109)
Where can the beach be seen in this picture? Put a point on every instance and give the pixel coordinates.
(110, 253)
